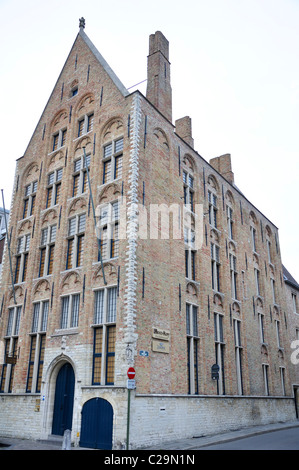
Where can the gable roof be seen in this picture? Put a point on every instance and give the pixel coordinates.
(103, 62)
(288, 278)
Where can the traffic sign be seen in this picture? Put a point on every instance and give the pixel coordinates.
(131, 384)
(131, 373)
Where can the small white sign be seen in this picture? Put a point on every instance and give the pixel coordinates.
(131, 384)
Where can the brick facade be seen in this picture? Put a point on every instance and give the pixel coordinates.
(170, 306)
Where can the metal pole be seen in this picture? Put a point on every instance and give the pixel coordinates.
(128, 417)
(94, 215)
(8, 246)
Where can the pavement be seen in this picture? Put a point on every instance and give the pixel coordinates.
(195, 443)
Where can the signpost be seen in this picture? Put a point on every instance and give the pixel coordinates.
(130, 386)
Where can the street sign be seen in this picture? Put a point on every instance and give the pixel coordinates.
(215, 372)
(143, 353)
(131, 384)
(131, 373)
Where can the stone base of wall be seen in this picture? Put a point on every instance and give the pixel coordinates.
(161, 418)
(153, 418)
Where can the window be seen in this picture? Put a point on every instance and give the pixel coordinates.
(109, 228)
(219, 351)
(233, 275)
(10, 349)
(189, 236)
(80, 180)
(47, 248)
(266, 378)
(192, 347)
(70, 311)
(85, 124)
(257, 281)
(229, 215)
(188, 181)
(75, 241)
(273, 290)
(22, 258)
(282, 380)
(29, 199)
(112, 160)
(238, 355)
(37, 346)
(215, 265)
(294, 302)
(277, 324)
(59, 139)
(103, 367)
(269, 251)
(54, 188)
(212, 209)
(253, 238)
(261, 326)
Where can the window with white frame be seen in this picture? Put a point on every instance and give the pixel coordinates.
(47, 247)
(253, 238)
(261, 327)
(59, 139)
(265, 368)
(190, 252)
(54, 188)
(10, 349)
(215, 267)
(294, 302)
(109, 230)
(238, 355)
(112, 160)
(29, 199)
(278, 335)
(70, 306)
(85, 124)
(192, 347)
(22, 255)
(257, 281)
(229, 216)
(103, 368)
(233, 275)
(37, 346)
(212, 209)
(273, 290)
(75, 241)
(188, 181)
(219, 351)
(80, 178)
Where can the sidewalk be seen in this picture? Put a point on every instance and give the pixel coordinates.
(181, 444)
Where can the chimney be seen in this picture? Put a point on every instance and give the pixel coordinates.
(183, 128)
(158, 90)
(224, 166)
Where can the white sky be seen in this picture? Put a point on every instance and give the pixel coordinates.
(234, 71)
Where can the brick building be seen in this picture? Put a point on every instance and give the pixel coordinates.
(129, 249)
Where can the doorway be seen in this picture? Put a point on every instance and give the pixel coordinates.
(97, 424)
(64, 400)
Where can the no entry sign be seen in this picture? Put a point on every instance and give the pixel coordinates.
(131, 373)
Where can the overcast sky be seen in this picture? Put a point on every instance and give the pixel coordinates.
(234, 71)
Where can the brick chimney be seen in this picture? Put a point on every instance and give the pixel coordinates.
(183, 128)
(158, 90)
(224, 166)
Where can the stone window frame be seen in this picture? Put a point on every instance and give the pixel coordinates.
(193, 340)
(11, 348)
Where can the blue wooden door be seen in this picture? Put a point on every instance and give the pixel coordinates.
(64, 400)
(97, 424)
